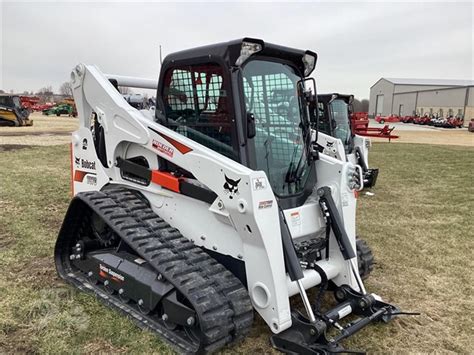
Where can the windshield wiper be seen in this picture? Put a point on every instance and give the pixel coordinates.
(294, 175)
(290, 173)
(305, 126)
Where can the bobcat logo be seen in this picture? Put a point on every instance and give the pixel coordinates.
(77, 161)
(231, 187)
(330, 149)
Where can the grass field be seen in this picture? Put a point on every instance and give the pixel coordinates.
(419, 224)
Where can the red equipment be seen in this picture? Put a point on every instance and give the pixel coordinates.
(383, 119)
(426, 120)
(360, 115)
(385, 132)
(360, 126)
(408, 119)
(455, 122)
(42, 107)
(422, 120)
(29, 102)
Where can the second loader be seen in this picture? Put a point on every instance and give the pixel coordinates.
(335, 136)
(217, 206)
(12, 112)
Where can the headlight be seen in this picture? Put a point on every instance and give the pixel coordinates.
(247, 49)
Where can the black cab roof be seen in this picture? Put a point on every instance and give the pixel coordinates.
(229, 52)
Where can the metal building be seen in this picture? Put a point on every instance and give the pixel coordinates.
(405, 97)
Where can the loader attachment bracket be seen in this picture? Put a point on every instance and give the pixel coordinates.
(370, 177)
(305, 337)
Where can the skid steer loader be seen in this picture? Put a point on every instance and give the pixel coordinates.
(216, 206)
(12, 112)
(335, 137)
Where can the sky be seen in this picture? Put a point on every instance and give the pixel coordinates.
(357, 43)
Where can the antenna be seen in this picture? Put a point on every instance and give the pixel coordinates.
(161, 59)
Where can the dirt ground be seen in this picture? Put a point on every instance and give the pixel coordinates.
(459, 137)
(52, 130)
(46, 130)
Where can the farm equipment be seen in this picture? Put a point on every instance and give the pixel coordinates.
(61, 109)
(12, 113)
(218, 205)
(437, 121)
(29, 102)
(470, 128)
(407, 119)
(455, 122)
(448, 122)
(423, 120)
(360, 126)
(42, 107)
(359, 122)
(383, 119)
(332, 118)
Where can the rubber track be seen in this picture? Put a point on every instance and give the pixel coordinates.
(220, 300)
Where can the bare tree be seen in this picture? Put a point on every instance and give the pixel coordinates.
(364, 105)
(45, 94)
(2, 92)
(66, 89)
(360, 105)
(356, 105)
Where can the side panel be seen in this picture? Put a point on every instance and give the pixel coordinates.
(332, 146)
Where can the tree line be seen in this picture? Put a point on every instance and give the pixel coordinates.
(360, 105)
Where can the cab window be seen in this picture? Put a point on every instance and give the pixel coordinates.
(196, 100)
(5, 101)
(324, 125)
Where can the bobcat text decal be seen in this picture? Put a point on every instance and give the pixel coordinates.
(84, 163)
(163, 148)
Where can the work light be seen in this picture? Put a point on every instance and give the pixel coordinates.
(247, 49)
(309, 61)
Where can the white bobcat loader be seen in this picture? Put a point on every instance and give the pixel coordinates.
(335, 137)
(217, 206)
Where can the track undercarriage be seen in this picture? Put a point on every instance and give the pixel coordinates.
(113, 245)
